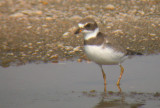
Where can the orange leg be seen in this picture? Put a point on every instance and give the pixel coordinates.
(104, 78)
(119, 88)
(122, 70)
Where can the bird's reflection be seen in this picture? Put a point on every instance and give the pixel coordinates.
(111, 99)
(115, 100)
(117, 103)
(118, 86)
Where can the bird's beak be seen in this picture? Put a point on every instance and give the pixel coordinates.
(79, 30)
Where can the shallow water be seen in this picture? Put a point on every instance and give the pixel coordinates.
(80, 85)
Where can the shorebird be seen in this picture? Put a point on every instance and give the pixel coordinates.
(101, 48)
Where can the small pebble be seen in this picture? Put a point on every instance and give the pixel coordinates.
(55, 56)
(79, 60)
(68, 48)
(25, 46)
(30, 44)
(17, 15)
(110, 7)
(141, 12)
(10, 54)
(76, 18)
(49, 18)
(72, 30)
(71, 52)
(39, 43)
(152, 34)
(118, 31)
(36, 50)
(32, 12)
(34, 54)
(50, 51)
(44, 2)
(60, 45)
(77, 49)
(65, 35)
(92, 91)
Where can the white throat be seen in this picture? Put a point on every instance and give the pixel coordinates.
(89, 35)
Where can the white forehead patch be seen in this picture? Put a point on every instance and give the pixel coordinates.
(81, 25)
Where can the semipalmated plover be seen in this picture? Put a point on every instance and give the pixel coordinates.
(102, 49)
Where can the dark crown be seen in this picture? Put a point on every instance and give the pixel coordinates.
(89, 24)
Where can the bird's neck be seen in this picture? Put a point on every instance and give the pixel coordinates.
(91, 34)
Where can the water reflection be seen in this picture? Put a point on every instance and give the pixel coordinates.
(117, 103)
(118, 86)
(113, 99)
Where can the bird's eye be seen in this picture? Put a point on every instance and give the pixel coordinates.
(88, 25)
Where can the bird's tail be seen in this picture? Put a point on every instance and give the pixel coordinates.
(130, 52)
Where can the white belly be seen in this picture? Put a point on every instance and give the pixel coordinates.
(105, 56)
